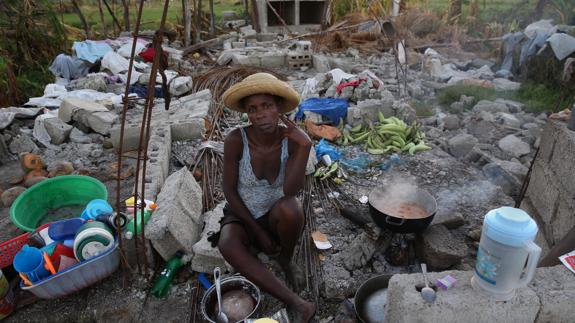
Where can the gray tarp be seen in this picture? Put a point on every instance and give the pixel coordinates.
(69, 67)
(563, 45)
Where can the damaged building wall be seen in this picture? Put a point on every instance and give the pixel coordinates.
(550, 196)
(300, 16)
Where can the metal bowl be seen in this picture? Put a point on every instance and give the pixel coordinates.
(209, 301)
(370, 299)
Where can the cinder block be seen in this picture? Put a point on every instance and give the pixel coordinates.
(555, 288)
(562, 161)
(206, 257)
(564, 219)
(177, 222)
(542, 191)
(459, 304)
(548, 139)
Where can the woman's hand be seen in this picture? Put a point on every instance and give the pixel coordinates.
(266, 243)
(294, 133)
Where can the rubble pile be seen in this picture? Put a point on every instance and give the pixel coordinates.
(473, 155)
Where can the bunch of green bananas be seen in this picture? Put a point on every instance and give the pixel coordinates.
(390, 135)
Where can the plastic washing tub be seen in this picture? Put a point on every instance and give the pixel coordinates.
(32, 206)
(77, 277)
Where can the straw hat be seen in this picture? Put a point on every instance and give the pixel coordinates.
(261, 83)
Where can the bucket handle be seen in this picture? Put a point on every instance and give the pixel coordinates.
(534, 251)
(397, 224)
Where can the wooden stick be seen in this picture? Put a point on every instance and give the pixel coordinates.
(116, 22)
(278, 16)
(104, 27)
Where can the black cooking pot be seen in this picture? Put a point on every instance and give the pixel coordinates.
(380, 199)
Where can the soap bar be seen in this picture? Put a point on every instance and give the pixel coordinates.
(446, 282)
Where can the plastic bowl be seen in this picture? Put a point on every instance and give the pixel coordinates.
(32, 205)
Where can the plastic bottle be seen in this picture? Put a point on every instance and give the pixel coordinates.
(131, 229)
(163, 282)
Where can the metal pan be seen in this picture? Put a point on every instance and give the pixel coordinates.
(370, 299)
(379, 199)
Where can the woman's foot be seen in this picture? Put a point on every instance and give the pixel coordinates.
(294, 275)
(304, 311)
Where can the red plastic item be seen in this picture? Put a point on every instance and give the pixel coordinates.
(10, 248)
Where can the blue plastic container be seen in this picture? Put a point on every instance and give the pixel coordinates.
(65, 229)
(77, 277)
(30, 261)
(95, 208)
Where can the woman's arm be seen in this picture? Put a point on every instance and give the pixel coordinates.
(300, 145)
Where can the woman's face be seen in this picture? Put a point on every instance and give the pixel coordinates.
(263, 112)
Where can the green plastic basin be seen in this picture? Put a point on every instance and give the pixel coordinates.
(34, 203)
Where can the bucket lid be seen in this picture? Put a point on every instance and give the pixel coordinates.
(509, 226)
(95, 208)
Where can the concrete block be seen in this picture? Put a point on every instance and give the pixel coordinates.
(563, 156)
(547, 144)
(449, 218)
(206, 257)
(514, 146)
(564, 219)
(320, 63)
(368, 109)
(238, 44)
(177, 222)
(555, 288)
(439, 248)
(273, 60)
(77, 136)
(70, 106)
(543, 191)
(461, 145)
(57, 129)
(100, 122)
(459, 304)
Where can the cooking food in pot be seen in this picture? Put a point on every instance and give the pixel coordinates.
(404, 210)
(237, 305)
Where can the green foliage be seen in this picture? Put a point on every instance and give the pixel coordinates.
(540, 98)
(30, 37)
(536, 97)
(452, 94)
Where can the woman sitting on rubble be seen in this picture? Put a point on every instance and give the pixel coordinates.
(264, 169)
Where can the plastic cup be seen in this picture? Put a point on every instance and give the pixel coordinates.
(30, 261)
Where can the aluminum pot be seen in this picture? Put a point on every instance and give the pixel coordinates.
(380, 199)
(370, 299)
(209, 300)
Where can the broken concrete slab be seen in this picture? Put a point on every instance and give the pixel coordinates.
(320, 63)
(449, 218)
(500, 176)
(459, 304)
(514, 146)
(22, 144)
(461, 145)
(368, 109)
(555, 288)
(77, 136)
(177, 222)
(70, 106)
(185, 120)
(501, 84)
(439, 248)
(57, 129)
(490, 106)
(206, 257)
